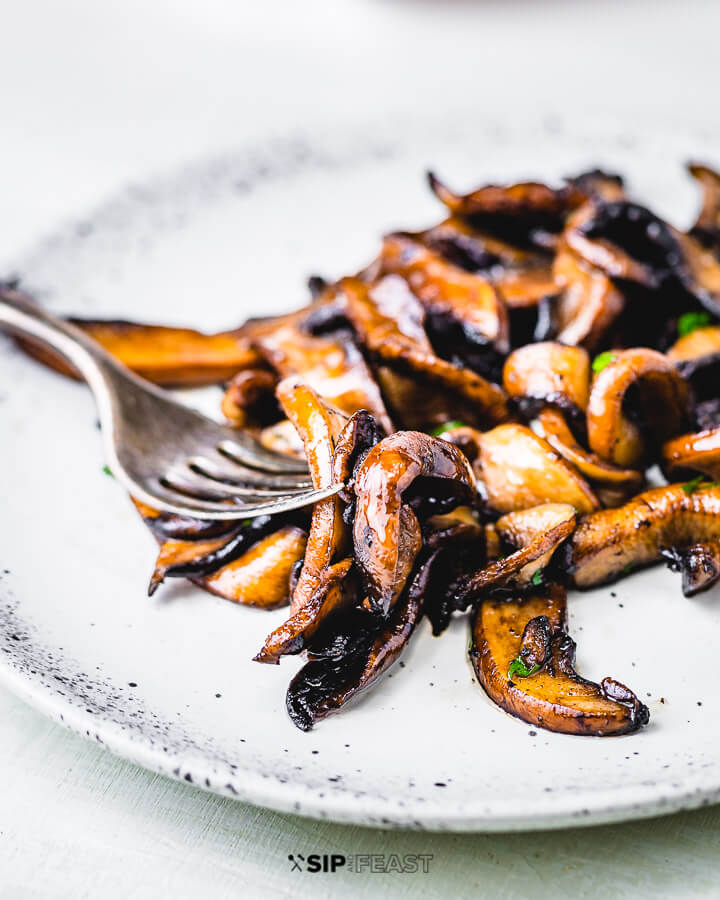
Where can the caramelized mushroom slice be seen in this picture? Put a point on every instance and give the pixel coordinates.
(182, 558)
(698, 345)
(707, 227)
(179, 357)
(334, 592)
(550, 383)
(525, 661)
(261, 576)
(538, 532)
(519, 470)
(658, 393)
(324, 587)
(699, 565)
(388, 320)
(347, 660)
(516, 210)
(447, 291)
(629, 242)
(548, 374)
(697, 452)
(589, 303)
(403, 477)
(249, 398)
(171, 526)
(612, 542)
(319, 427)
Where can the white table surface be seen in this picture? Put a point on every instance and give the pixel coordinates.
(94, 95)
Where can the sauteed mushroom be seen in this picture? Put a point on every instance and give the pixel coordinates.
(519, 470)
(612, 542)
(658, 394)
(550, 383)
(402, 478)
(500, 506)
(525, 660)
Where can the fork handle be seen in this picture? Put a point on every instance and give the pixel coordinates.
(19, 314)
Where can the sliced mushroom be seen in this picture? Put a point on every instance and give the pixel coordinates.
(261, 576)
(329, 362)
(328, 587)
(249, 398)
(538, 532)
(699, 344)
(696, 452)
(648, 383)
(589, 303)
(182, 558)
(446, 291)
(519, 470)
(329, 536)
(389, 322)
(699, 565)
(178, 357)
(529, 634)
(171, 526)
(612, 542)
(550, 383)
(707, 227)
(346, 661)
(334, 592)
(516, 211)
(548, 374)
(407, 475)
(628, 242)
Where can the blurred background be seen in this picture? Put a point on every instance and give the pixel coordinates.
(96, 94)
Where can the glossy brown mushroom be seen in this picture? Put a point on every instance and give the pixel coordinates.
(386, 532)
(707, 226)
(691, 453)
(331, 364)
(537, 532)
(698, 344)
(388, 320)
(174, 357)
(249, 398)
(519, 470)
(661, 396)
(261, 576)
(698, 564)
(346, 662)
(613, 542)
(447, 290)
(325, 586)
(551, 383)
(533, 629)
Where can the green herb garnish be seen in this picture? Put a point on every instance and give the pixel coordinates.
(107, 471)
(691, 486)
(447, 426)
(603, 360)
(537, 580)
(518, 667)
(699, 482)
(691, 321)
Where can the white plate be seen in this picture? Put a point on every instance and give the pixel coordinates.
(169, 682)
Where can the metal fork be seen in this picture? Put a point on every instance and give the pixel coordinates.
(164, 453)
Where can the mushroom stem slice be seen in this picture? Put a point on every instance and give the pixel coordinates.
(698, 564)
(613, 542)
(407, 475)
(538, 533)
(520, 470)
(173, 357)
(347, 661)
(661, 396)
(528, 636)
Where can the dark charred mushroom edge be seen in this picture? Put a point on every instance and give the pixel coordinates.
(491, 390)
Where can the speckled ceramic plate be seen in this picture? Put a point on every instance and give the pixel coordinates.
(169, 682)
